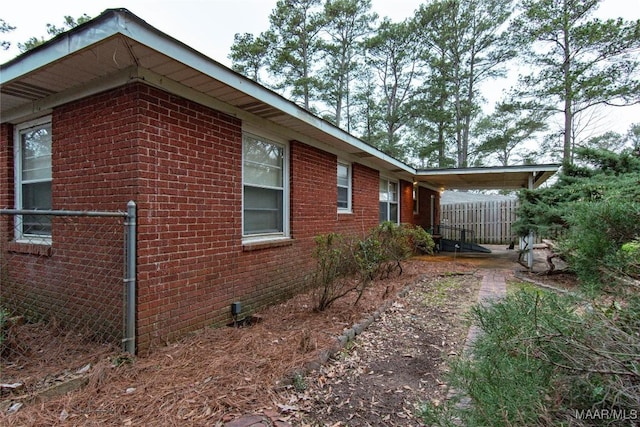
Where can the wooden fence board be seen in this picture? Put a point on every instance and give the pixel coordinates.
(491, 221)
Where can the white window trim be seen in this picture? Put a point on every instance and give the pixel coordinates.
(349, 167)
(397, 202)
(285, 234)
(416, 198)
(19, 236)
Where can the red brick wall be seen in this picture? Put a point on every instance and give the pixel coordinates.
(313, 191)
(78, 279)
(6, 163)
(189, 201)
(94, 168)
(94, 156)
(181, 162)
(192, 263)
(365, 186)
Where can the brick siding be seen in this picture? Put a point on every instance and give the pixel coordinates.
(182, 164)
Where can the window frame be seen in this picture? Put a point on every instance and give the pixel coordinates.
(267, 236)
(349, 186)
(416, 198)
(390, 202)
(20, 236)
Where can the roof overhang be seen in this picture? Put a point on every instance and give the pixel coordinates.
(488, 178)
(118, 47)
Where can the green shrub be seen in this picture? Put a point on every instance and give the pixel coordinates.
(395, 247)
(334, 266)
(398, 243)
(542, 357)
(628, 259)
(348, 264)
(593, 246)
(592, 209)
(420, 240)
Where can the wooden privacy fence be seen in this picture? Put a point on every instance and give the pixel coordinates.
(490, 221)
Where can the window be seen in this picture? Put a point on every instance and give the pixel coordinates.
(388, 201)
(416, 202)
(264, 181)
(344, 187)
(33, 178)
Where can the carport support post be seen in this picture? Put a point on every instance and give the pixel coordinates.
(531, 233)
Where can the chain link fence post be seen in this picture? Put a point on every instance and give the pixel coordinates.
(72, 273)
(130, 280)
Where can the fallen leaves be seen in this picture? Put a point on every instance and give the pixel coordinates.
(218, 375)
(381, 376)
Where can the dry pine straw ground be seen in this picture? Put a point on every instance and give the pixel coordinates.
(217, 375)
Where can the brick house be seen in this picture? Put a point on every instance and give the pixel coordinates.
(231, 180)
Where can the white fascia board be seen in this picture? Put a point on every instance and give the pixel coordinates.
(488, 170)
(428, 186)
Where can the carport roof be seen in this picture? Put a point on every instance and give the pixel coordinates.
(488, 178)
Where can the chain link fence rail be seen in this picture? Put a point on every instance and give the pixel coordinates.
(74, 270)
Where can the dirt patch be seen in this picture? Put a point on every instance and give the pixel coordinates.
(217, 375)
(382, 377)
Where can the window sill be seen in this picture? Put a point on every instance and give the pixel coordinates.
(256, 245)
(345, 212)
(40, 249)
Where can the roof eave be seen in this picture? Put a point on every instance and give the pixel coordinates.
(113, 22)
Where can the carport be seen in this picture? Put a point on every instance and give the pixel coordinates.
(491, 178)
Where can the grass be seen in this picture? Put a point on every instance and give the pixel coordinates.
(438, 293)
(542, 357)
(517, 286)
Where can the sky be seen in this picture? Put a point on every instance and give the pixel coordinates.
(209, 26)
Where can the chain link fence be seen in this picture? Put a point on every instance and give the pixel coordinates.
(69, 272)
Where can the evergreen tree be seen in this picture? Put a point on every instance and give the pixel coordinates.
(503, 133)
(5, 28)
(578, 62)
(347, 23)
(296, 26)
(393, 54)
(250, 55)
(633, 138)
(434, 128)
(596, 176)
(468, 46)
(592, 211)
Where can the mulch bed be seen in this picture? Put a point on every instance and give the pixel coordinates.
(217, 375)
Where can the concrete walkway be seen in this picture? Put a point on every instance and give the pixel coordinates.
(493, 287)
